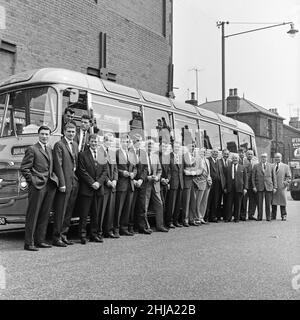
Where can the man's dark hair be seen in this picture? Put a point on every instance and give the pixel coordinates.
(68, 109)
(92, 136)
(85, 116)
(44, 128)
(70, 124)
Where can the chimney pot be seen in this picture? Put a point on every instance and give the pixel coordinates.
(230, 92)
(235, 92)
(192, 95)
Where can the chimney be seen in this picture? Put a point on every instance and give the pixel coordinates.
(192, 101)
(274, 110)
(294, 122)
(233, 101)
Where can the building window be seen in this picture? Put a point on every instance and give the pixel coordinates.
(270, 129)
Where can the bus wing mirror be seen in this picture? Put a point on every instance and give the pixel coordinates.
(74, 95)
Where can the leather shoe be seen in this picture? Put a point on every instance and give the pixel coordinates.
(58, 243)
(171, 226)
(178, 225)
(185, 224)
(125, 233)
(66, 241)
(214, 220)
(111, 235)
(162, 229)
(203, 222)
(30, 247)
(283, 218)
(43, 245)
(96, 239)
(252, 218)
(145, 231)
(243, 219)
(83, 241)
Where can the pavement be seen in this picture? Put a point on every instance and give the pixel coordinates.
(246, 260)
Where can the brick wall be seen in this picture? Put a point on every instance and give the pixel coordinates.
(65, 34)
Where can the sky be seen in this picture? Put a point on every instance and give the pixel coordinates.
(264, 66)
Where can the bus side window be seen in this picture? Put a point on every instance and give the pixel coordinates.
(244, 141)
(186, 131)
(229, 139)
(209, 135)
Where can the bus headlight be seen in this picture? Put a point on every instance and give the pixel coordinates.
(23, 184)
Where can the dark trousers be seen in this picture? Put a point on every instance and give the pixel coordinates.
(174, 204)
(38, 210)
(260, 198)
(88, 205)
(233, 205)
(221, 210)
(133, 215)
(164, 195)
(123, 209)
(188, 204)
(213, 200)
(282, 211)
(106, 212)
(64, 203)
(249, 202)
(148, 194)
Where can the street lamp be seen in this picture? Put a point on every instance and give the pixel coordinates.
(221, 24)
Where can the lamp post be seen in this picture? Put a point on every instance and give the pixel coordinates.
(221, 24)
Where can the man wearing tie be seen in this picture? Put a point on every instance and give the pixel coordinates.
(65, 158)
(265, 184)
(125, 188)
(250, 198)
(236, 187)
(82, 136)
(283, 177)
(107, 201)
(150, 191)
(176, 187)
(37, 168)
(92, 175)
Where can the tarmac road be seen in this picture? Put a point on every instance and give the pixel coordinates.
(246, 260)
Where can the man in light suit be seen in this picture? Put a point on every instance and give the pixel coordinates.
(265, 184)
(65, 158)
(125, 188)
(92, 175)
(37, 168)
(236, 187)
(283, 178)
(250, 198)
(150, 191)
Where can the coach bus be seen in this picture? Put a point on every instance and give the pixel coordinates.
(39, 97)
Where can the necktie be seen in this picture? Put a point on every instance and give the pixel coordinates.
(73, 154)
(277, 167)
(234, 171)
(264, 166)
(83, 141)
(225, 163)
(95, 154)
(149, 164)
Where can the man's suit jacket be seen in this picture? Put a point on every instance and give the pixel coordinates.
(176, 173)
(264, 180)
(112, 168)
(37, 166)
(188, 164)
(249, 169)
(124, 164)
(283, 178)
(89, 172)
(224, 171)
(77, 139)
(203, 178)
(65, 163)
(241, 180)
(141, 166)
(156, 170)
(216, 172)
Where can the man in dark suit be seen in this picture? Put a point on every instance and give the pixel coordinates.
(82, 134)
(68, 116)
(125, 188)
(164, 158)
(265, 184)
(150, 191)
(107, 201)
(65, 158)
(92, 175)
(176, 187)
(236, 186)
(250, 197)
(141, 175)
(218, 184)
(224, 163)
(37, 168)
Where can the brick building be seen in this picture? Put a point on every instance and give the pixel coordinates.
(266, 124)
(129, 41)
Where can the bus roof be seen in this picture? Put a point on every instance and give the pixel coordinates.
(84, 81)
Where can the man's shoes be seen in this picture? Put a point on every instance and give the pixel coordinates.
(58, 243)
(185, 224)
(30, 247)
(43, 245)
(215, 220)
(162, 229)
(145, 231)
(193, 223)
(178, 225)
(235, 220)
(268, 219)
(226, 220)
(83, 240)
(126, 233)
(243, 219)
(171, 226)
(66, 241)
(111, 235)
(252, 218)
(203, 222)
(96, 239)
(283, 218)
